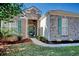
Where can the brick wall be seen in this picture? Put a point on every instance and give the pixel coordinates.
(73, 29)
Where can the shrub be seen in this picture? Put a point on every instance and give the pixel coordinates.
(19, 36)
(41, 38)
(1, 35)
(6, 34)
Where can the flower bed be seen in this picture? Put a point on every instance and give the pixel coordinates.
(64, 42)
(3, 42)
(58, 41)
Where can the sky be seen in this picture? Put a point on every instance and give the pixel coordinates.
(45, 7)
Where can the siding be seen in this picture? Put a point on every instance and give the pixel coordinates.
(74, 28)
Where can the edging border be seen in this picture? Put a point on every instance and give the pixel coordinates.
(37, 42)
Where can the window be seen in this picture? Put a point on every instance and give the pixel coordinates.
(62, 26)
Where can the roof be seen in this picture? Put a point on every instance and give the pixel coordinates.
(61, 13)
(33, 7)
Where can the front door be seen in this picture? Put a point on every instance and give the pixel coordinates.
(32, 28)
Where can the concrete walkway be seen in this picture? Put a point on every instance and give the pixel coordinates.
(37, 42)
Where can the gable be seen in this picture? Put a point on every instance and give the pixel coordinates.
(32, 10)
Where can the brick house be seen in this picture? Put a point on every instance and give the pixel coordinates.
(54, 25)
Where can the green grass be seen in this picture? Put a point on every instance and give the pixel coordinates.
(34, 50)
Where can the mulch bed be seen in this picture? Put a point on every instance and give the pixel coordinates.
(14, 42)
(61, 42)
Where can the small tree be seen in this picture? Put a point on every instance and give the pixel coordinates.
(8, 11)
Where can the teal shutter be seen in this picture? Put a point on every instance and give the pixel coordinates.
(19, 26)
(59, 24)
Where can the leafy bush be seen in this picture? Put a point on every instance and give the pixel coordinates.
(5, 34)
(19, 36)
(1, 35)
(41, 38)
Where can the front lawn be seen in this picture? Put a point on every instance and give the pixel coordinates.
(34, 50)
